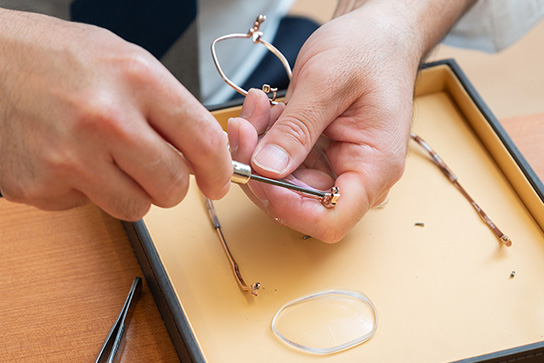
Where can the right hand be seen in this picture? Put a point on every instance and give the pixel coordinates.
(86, 116)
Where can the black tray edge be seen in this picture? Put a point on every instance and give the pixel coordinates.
(163, 293)
(527, 170)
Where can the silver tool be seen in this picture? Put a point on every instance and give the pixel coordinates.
(242, 175)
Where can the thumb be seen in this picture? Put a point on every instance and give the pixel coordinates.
(290, 139)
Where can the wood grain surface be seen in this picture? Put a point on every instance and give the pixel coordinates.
(528, 134)
(64, 277)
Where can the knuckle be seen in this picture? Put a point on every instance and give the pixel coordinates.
(296, 130)
(217, 190)
(215, 143)
(174, 190)
(98, 115)
(58, 166)
(137, 68)
(139, 212)
(211, 164)
(61, 163)
(133, 210)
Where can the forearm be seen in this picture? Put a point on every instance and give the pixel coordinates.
(419, 23)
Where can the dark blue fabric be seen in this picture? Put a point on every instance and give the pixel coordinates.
(291, 35)
(153, 24)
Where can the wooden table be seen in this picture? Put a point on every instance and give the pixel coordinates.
(64, 277)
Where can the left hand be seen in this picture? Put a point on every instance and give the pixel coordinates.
(353, 82)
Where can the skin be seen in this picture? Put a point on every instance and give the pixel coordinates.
(104, 122)
(353, 82)
(86, 116)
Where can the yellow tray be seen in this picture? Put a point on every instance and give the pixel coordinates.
(443, 292)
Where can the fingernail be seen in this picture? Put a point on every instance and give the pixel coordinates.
(250, 104)
(233, 127)
(272, 158)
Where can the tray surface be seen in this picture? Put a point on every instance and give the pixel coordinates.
(443, 291)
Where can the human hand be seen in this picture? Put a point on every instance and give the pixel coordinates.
(300, 212)
(353, 82)
(88, 116)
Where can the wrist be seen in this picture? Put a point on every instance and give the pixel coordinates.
(420, 24)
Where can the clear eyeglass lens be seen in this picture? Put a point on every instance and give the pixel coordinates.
(326, 322)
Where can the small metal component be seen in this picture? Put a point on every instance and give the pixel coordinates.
(242, 175)
(419, 224)
(267, 89)
(512, 274)
(331, 198)
(306, 237)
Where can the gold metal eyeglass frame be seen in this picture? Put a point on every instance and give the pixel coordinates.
(437, 160)
(256, 36)
(242, 173)
(253, 289)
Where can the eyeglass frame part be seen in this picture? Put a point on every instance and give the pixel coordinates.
(437, 160)
(256, 36)
(252, 289)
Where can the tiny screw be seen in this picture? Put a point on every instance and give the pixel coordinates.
(419, 224)
(306, 237)
(512, 274)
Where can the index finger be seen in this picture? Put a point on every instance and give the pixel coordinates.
(185, 123)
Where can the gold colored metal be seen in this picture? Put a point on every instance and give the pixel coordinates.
(253, 289)
(453, 178)
(241, 172)
(331, 198)
(256, 36)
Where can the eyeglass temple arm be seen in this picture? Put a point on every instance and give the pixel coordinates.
(252, 289)
(453, 178)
